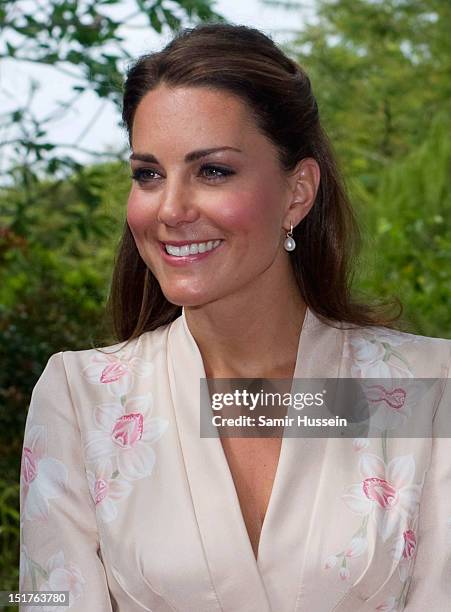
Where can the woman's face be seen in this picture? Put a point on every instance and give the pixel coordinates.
(209, 200)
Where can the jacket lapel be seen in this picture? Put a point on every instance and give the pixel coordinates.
(279, 579)
(233, 569)
(292, 519)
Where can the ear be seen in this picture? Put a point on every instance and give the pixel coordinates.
(304, 183)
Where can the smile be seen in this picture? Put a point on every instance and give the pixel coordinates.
(185, 250)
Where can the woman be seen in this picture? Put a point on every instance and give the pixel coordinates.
(234, 264)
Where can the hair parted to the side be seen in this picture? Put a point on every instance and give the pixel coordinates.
(245, 62)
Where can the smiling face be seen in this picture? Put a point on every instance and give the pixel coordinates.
(209, 200)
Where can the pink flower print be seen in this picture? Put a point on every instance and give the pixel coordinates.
(380, 491)
(41, 477)
(410, 544)
(394, 398)
(373, 355)
(386, 492)
(125, 433)
(128, 429)
(116, 371)
(404, 552)
(62, 577)
(29, 465)
(106, 491)
(388, 405)
(391, 404)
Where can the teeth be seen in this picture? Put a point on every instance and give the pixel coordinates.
(191, 249)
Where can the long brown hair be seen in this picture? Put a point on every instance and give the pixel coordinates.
(245, 62)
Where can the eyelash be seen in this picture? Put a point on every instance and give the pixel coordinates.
(139, 174)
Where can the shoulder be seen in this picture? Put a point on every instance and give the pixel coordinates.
(383, 352)
(113, 366)
(148, 342)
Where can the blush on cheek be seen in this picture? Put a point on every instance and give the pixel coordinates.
(138, 216)
(236, 218)
(243, 213)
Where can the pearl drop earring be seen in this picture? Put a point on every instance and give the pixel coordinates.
(290, 243)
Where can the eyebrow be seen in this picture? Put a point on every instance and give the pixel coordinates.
(189, 157)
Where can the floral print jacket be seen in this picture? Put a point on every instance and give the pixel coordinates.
(127, 508)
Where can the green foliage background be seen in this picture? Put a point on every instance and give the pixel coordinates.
(380, 71)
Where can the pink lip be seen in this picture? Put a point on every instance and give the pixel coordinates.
(182, 261)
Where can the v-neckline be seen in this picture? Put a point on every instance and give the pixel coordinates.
(227, 546)
(281, 457)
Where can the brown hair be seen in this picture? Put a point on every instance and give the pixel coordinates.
(245, 62)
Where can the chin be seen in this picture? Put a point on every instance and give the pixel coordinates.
(182, 297)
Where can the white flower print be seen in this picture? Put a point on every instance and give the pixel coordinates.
(331, 561)
(386, 492)
(106, 489)
(373, 354)
(406, 547)
(125, 433)
(356, 548)
(62, 577)
(344, 573)
(58, 576)
(360, 444)
(116, 371)
(42, 478)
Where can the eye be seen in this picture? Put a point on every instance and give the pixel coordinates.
(209, 171)
(144, 175)
(213, 172)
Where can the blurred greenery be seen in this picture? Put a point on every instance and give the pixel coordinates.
(381, 75)
(380, 71)
(59, 220)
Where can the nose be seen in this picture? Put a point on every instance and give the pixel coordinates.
(177, 205)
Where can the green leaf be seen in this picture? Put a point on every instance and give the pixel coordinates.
(11, 49)
(172, 20)
(155, 20)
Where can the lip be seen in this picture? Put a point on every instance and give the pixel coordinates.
(186, 259)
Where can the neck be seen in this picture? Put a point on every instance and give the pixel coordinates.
(254, 335)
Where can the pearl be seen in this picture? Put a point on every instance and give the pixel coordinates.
(289, 244)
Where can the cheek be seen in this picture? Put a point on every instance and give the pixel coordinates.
(140, 216)
(255, 210)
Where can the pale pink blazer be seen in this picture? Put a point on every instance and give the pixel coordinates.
(125, 506)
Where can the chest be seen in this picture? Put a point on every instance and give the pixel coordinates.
(253, 465)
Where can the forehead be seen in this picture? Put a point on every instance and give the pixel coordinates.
(189, 113)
